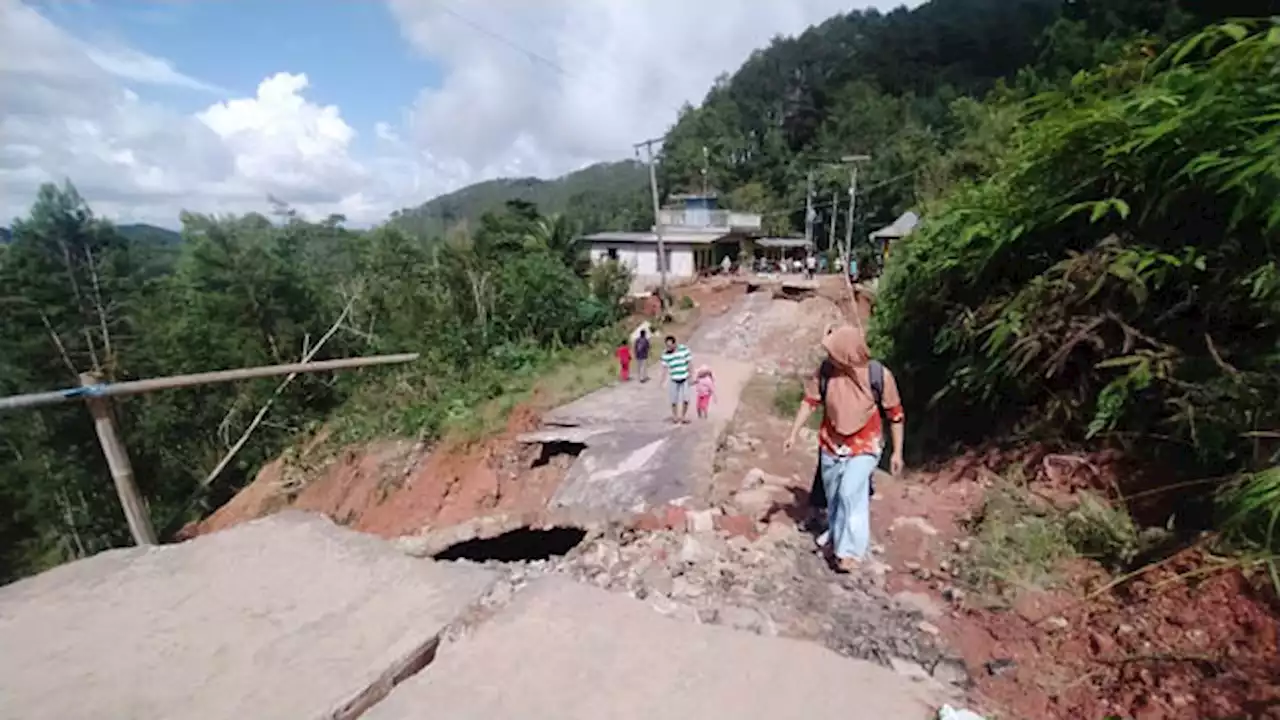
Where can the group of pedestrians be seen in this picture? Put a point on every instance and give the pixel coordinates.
(682, 382)
(856, 394)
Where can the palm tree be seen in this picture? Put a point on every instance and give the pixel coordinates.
(559, 235)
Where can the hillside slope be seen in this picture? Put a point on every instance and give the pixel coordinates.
(605, 195)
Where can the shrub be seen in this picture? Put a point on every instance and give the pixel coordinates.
(1117, 277)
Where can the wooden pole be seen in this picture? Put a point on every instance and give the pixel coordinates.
(657, 220)
(97, 394)
(135, 508)
(137, 387)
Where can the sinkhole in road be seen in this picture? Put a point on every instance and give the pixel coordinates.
(519, 545)
(566, 449)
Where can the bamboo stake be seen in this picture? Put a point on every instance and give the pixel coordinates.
(135, 508)
(138, 387)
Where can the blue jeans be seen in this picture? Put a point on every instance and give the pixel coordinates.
(848, 486)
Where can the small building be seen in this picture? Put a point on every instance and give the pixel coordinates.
(782, 249)
(696, 233)
(898, 229)
(686, 252)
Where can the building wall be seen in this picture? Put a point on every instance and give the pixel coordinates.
(642, 258)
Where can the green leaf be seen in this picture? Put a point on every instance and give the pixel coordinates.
(1235, 31)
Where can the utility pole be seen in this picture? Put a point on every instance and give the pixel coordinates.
(835, 213)
(706, 167)
(657, 219)
(808, 210)
(852, 160)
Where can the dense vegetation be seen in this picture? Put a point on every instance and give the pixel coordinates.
(903, 87)
(486, 309)
(605, 196)
(1115, 278)
(1098, 259)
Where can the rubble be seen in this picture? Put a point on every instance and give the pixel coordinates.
(770, 583)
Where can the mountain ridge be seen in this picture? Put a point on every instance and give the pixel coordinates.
(606, 195)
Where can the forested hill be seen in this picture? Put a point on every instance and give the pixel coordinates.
(150, 234)
(605, 195)
(892, 86)
(140, 232)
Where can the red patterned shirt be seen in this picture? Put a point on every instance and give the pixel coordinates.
(869, 440)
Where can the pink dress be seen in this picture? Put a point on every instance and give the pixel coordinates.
(704, 387)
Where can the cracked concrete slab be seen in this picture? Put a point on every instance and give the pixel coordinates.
(573, 652)
(289, 617)
(620, 470)
(634, 456)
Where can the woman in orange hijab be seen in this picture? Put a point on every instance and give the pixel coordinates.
(851, 438)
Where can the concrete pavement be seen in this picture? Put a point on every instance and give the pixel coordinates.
(289, 618)
(634, 455)
(573, 652)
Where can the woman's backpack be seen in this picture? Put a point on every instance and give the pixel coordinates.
(875, 369)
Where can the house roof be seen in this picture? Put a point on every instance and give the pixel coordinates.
(786, 242)
(680, 238)
(899, 228)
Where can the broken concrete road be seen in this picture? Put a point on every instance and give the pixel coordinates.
(292, 617)
(573, 652)
(633, 455)
(288, 617)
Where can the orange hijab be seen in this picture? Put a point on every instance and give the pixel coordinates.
(850, 403)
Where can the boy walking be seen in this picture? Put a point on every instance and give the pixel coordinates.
(642, 356)
(675, 365)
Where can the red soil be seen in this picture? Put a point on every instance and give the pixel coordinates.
(1190, 638)
(393, 488)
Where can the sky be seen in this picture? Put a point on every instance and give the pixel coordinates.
(357, 107)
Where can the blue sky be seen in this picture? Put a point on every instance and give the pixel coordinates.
(359, 107)
(352, 51)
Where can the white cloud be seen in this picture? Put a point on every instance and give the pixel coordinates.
(283, 143)
(529, 89)
(128, 64)
(66, 115)
(541, 88)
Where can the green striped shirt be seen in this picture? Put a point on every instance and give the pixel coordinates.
(677, 363)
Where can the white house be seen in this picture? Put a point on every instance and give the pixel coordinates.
(639, 251)
(696, 236)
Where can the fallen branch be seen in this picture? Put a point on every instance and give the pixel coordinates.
(62, 350)
(262, 412)
(1217, 358)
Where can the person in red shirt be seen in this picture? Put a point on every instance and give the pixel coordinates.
(851, 438)
(624, 361)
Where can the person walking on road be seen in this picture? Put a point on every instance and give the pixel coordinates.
(704, 386)
(624, 361)
(817, 520)
(675, 366)
(851, 438)
(642, 356)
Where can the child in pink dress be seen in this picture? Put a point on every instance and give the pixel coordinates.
(704, 387)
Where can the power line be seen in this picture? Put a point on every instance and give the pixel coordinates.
(532, 55)
(861, 191)
(536, 57)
